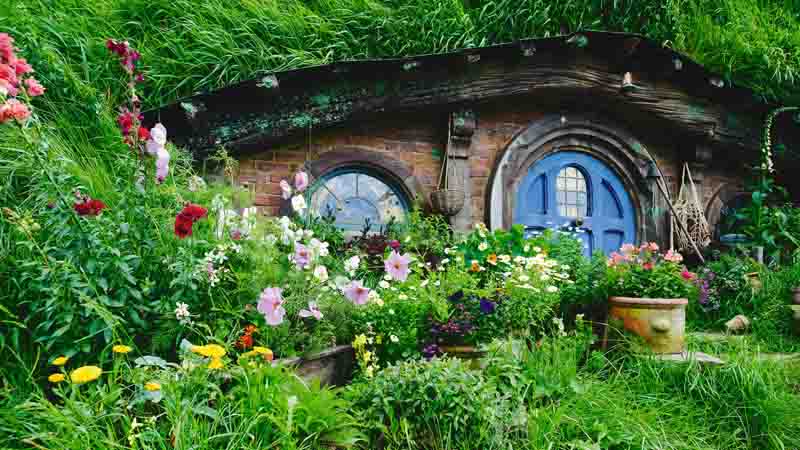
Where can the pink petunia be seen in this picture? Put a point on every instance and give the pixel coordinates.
(628, 249)
(6, 48)
(302, 255)
(35, 88)
(312, 311)
(301, 181)
(14, 109)
(162, 164)
(687, 275)
(270, 303)
(356, 292)
(647, 266)
(8, 73)
(653, 247)
(396, 266)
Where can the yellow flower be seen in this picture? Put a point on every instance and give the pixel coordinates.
(263, 351)
(85, 374)
(56, 378)
(60, 361)
(122, 349)
(152, 386)
(216, 363)
(360, 341)
(210, 350)
(492, 259)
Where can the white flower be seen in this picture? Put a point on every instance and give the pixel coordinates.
(299, 203)
(286, 190)
(182, 312)
(483, 246)
(391, 311)
(537, 249)
(384, 284)
(351, 265)
(504, 258)
(340, 282)
(424, 283)
(387, 277)
(407, 239)
(527, 248)
(402, 297)
(271, 239)
(436, 283)
(447, 250)
(196, 184)
(394, 338)
(445, 261)
(552, 289)
(524, 278)
(321, 273)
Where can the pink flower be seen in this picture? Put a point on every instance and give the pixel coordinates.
(8, 73)
(673, 257)
(6, 48)
(21, 67)
(301, 181)
(35, 89)
(653, 247)
(286, 190)
(356, 292)
(396, 266)
(687, 275)
(647, 266)
(162, 164)
(6, 88)
(628, 249)
(14, 109)
(302, 256)
(312, 311)
(270, 303)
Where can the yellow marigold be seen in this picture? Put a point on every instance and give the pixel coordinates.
(56, 378)
(263, 351)
(152, 386)
(216, 363)
(60, 361)
(209, 350)
(85, 374)
(121, 349)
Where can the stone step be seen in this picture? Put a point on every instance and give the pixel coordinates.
(686, 357)
(715, 337)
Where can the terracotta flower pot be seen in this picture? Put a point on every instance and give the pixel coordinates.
(661, 322)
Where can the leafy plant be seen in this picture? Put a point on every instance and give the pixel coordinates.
(643, 272)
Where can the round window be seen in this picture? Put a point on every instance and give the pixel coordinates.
(356, 199)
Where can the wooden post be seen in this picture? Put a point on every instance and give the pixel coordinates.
(462, 128)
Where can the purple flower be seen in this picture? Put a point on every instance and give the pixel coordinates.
(487, 306)
(356, 292)
(270, 303)
(312, 311)
(395, 244)
(431, 350)
(456, 296)
(396, 266)
(301, 255)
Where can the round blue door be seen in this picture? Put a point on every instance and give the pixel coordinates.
(576, 190)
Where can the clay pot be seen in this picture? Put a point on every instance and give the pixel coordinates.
(661, 322)
(470, 354)
(796, 296)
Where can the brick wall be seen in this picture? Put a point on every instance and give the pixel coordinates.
(419, 141)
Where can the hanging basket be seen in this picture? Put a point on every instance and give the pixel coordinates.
(689, 211)
(448, 202)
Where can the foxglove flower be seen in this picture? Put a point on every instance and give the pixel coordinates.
(286, 190)
(301, 256)
(301, 181)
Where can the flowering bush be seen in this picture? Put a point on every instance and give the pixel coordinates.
(644, 272)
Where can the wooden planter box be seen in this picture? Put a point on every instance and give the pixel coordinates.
(333, 366)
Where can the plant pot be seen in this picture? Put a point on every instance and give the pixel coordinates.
(661, 322)
(448, 202)
(796, 296)
(333, 366)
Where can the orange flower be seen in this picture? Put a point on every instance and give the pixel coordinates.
(475, 267)
(492, 259)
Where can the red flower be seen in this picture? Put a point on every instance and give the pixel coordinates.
(687, 275)
(89, 207)
(144, 134)
(190, 214)
(183, 226)
(196, 212)
(245, 341)
(647, 266)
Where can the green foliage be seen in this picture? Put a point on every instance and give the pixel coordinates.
(418, 404)
(643, 272)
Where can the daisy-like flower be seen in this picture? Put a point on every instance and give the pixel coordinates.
(475, 266)
(394, 338)
(85, 374)
(182, 312)
(216, 363)
(121, 349)
(56, 378)
(60, 361)
(483, 246)
(492, 259)
(210, 350)
(351, 265)
(152, 386)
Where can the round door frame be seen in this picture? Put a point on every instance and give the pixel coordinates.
(615, 147)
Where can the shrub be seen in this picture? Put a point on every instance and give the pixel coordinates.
(441, 401)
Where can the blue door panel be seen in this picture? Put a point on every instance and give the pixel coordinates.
(546, 200)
